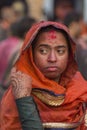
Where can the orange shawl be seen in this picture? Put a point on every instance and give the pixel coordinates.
(71, 92)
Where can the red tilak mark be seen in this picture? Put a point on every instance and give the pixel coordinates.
(52, 34)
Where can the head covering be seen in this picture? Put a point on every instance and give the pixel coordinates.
(26, 64)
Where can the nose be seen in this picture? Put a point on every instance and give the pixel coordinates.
(52, 57)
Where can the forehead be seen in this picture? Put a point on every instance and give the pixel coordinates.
(52, 35)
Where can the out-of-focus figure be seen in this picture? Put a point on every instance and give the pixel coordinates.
(81, 52)
(20, 9)
(10, 47)
(78, 31)
(74, 22)
(11, 13)
(7, 17)
(61, 9)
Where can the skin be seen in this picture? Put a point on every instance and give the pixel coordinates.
(51, 54)
(21, 83)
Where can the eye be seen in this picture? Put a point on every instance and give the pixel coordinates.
(61, 51)
(43, 50)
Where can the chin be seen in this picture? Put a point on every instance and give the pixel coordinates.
(52, 77)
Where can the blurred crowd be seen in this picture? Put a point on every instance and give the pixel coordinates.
(15, 21)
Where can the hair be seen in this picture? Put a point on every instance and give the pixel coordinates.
(21, 27)
(47, 29)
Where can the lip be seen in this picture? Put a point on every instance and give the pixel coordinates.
(52, 68)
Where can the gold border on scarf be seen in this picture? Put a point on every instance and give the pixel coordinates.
(61, 125)
(49, 99)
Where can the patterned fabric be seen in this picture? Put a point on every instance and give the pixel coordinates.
(57, 129)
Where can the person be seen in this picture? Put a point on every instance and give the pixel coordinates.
(81, 55)
(7, 17)
(78, 30)
(46, 74)
(11, 47)
(74, 21)
(61, 9)
(21, 9)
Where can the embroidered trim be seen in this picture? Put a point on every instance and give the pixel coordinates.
(61, 125)
(65, 125)
(49, 99)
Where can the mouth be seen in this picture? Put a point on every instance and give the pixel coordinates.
(52, 68)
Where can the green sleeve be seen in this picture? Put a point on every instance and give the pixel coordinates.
(28, 113)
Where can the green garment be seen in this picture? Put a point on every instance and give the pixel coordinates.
(28, 113)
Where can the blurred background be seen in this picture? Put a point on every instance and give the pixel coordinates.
(39, 8)
(17, 17)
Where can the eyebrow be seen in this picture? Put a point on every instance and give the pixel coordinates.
(62, 46)
(59, 46)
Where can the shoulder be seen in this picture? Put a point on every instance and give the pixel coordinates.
(9, 117)
(78, 84)
(77, 89)
(78, 76)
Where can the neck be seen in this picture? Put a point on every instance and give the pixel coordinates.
(56, 79)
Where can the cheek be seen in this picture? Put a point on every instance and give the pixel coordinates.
(63, 62)
(39, 61)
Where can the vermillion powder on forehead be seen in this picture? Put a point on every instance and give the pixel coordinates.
(52, 35)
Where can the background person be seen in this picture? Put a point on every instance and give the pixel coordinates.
(74, 22)
(10, 48)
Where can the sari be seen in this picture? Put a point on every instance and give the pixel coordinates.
(60, 105)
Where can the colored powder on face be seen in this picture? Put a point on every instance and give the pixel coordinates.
(52, 35)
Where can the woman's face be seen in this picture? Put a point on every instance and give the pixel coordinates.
(51, 54)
